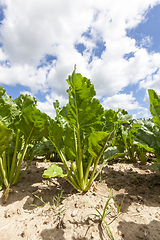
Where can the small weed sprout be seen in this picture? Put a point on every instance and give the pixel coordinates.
(41, 199)
(56, 201)
(136, 178)
(106, 210)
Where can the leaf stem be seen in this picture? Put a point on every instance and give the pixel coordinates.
(3, 174)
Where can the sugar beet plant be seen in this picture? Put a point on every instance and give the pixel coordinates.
(155, 112)
(21, 124)
(148, 136)
(77, 134)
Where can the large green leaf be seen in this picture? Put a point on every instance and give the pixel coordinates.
(97, 142)
(110, 120)
(83, 110)
(33, 123)
(155, 107)
(56, 134)
(9, 112)
(5, 137)
(24, 101)
(147, 136)
(113, 152)
(123, 116)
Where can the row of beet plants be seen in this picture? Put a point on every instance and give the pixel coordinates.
(82, 135)
(140, 137)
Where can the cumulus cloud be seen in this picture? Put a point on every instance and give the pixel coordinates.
(47, 106)
(32, 30)
(126, 101)
(25, 75)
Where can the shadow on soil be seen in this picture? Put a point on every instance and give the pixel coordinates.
(24, 187)
(33, 184)
(140, 231)
(57, 233)
(141, 188)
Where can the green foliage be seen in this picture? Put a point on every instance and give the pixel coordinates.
(111, 119)
(123, 142)
(23, 101)
(155, 107)
(5, 137)
(83, 133)
(41, 148)
(33, 123)
(54, 171)
(155, 112)
(77, 133)
(8, 110)
(21, 124)
(146, 137)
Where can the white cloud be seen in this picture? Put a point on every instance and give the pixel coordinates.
(2, 55)
(35, 28)
(147, 41)
(26, 92)
(142, 113)
(25, 75)
(151, 82)
(126, 101)
(47, 107)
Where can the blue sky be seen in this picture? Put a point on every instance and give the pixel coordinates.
(114, 43)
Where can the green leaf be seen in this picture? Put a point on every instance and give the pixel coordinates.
(155, 107)
(5, 137)
(24, 101)
(54, 171)
(2, 91)
(123, 116)
(56, 134)
(59, 119)
(110, 120)
(97, 142)
(83, 110)
(9, 112)
(42, 148)
(113, 152)
(33, 123)
(147, 136)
